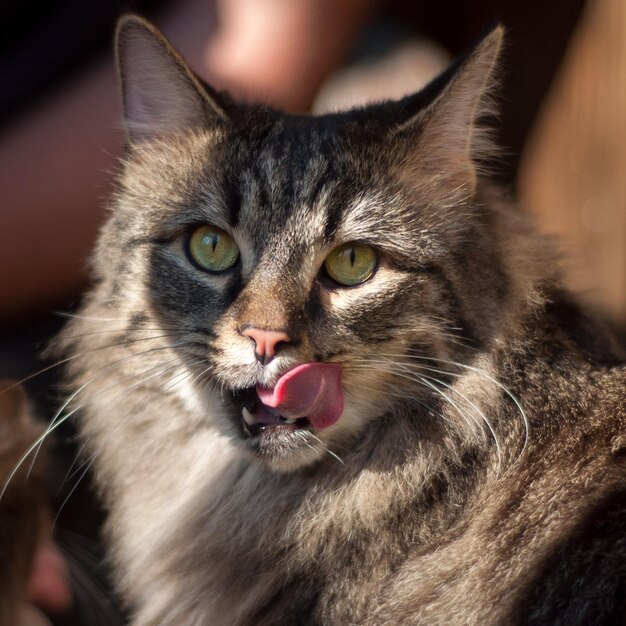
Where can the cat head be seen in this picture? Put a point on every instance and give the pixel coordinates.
(301, 262)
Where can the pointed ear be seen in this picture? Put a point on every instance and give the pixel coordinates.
(161, 95)
(447, 138)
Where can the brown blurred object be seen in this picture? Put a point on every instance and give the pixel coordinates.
(23, 504)
(32, 570)
(573, 173)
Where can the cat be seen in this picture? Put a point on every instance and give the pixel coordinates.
(327, 373)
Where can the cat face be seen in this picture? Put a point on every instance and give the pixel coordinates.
(285, 225)
(298, 259)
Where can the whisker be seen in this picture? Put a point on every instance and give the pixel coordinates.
(75, 356)
(93, 333)
(411, 398)
(392, 367)
(76, 316)
(142, 381)
(71, 492)
(474, 406)
(497, 383)
(424, 380)
(90, 461)
(152, 372)
(53, 425)
(475, 370)
(327, 448)
(57, 420)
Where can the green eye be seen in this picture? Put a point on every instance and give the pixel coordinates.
(212, 249)
(351, 264)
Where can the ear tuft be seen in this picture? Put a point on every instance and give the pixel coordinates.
(161, 95)
(450, 139)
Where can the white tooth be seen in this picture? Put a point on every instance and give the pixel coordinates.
(286, 420)
(247, 416)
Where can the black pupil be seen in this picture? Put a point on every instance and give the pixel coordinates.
(352, 256)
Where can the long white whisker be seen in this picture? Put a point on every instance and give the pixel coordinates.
(480, 372)
(56, 422)
(496, 382)
(89, 462)
(53, 423)
(431, 410)
(327, 448)
(75, 356)
(474, 406)
(144, 376)
(393, 368)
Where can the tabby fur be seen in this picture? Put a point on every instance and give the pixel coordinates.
(478, 472)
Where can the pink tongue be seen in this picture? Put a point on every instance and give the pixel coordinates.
(310, 390)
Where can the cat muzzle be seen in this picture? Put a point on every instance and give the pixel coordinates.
(312, 390)
(308, 395)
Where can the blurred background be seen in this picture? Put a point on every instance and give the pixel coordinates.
(563, 128)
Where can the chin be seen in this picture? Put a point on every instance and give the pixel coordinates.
(286, 445)
(284, 459)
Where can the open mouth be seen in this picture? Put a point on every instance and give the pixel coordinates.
(257, 419)
(309, 396)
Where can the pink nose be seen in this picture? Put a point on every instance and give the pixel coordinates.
(266, 342)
